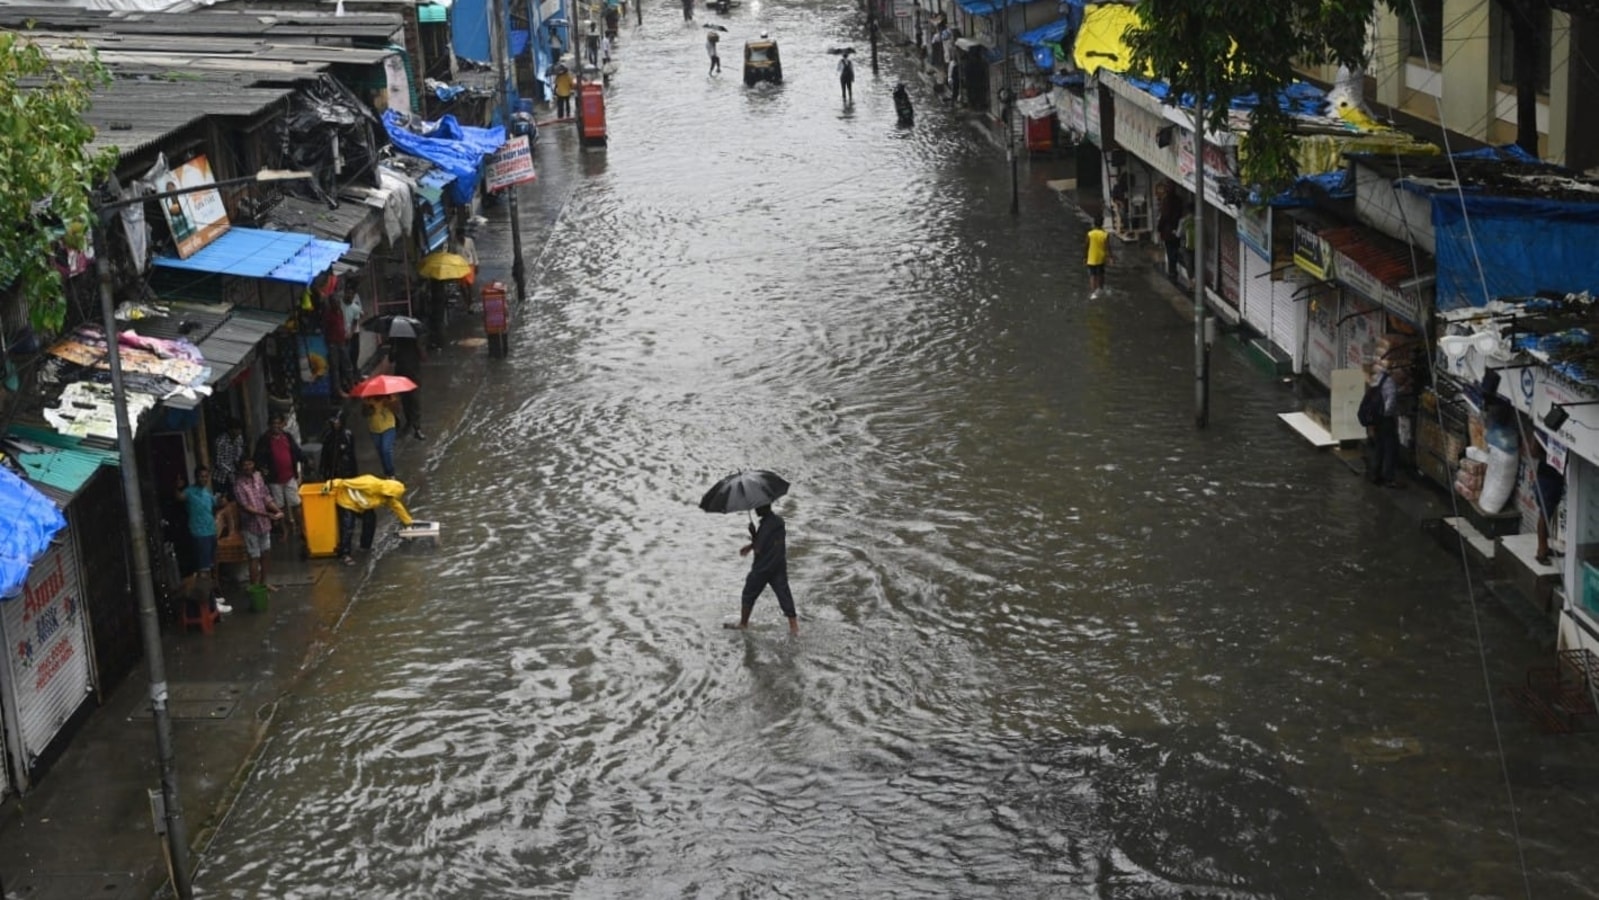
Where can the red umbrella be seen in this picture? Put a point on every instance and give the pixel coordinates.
(382, 385)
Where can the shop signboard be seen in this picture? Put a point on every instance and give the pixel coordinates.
(1138, 131)
(46, 648)
(1221, 163)
(1254, 229)
(1404, 301)
(196, 218)
(1070, 108)
(1311, 253)
(510, 165)
(1321, 349)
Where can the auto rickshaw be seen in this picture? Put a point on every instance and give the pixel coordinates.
(761, 62)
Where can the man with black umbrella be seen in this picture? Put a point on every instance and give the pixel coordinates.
(769, 543)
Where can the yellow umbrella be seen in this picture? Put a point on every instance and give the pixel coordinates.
(442, 266)
(366, 492)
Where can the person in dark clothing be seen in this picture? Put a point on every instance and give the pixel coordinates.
(338, 461)
(846, 79)
(407, 356)
(1171, 218)
(688, 10)
(769, 543)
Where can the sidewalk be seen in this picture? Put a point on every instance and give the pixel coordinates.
(87, 829)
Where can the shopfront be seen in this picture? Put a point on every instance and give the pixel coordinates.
(46, 678)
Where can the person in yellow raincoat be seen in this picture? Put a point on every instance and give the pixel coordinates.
(365, 495)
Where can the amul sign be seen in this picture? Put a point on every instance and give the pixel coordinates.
(46, 645)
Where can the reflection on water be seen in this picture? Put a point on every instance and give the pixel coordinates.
(1055, 643)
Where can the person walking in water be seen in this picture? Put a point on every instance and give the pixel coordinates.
(1098, 256)
(846, 79)
(711, 39)
(688, 10)
(769, 543)
(564, 87)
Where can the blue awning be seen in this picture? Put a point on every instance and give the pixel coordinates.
(982, 7)
(257, 253)
(312, 260)
(1053, 33)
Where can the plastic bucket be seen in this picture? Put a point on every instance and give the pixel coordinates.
(321, 520)
(258, 597)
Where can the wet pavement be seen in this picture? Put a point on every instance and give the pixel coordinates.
(1054, 642)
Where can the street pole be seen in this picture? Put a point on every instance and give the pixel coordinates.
(149, 621)
(1008, 96)
(871, 29)
(497, 29)
(1201, 349)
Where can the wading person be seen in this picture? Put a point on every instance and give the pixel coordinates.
(406, 355)
(846, 79)
(1098, 256)
(710, 48)
(338, 461)
(769, 543)
(563, 92)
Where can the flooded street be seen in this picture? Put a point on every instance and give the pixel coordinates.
(1054, 642)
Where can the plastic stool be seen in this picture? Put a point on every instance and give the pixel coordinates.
(205, 619)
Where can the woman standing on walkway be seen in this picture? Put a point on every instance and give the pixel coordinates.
(384, 427)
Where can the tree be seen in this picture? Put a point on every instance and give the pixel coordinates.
(1526, 35)
(46, 171)
(1225, 49)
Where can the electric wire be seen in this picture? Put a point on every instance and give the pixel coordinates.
(1471, 590)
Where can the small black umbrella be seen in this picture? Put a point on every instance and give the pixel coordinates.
(743, 491)
(395, 326)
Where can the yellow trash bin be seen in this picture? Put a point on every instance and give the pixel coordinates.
(321, 520)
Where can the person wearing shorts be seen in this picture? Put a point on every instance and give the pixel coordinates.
(200, 505)
(1098, 256)
(257, 512)
(278, 457)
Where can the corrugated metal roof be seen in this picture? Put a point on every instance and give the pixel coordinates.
(227, 348)
(313, 217)
(242, 253)
(59, 465)
(131, 114)
(65, 470)
(370, 26)
(1388, 260)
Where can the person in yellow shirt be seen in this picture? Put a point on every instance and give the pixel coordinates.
(564, 88)
(381, 424)
(1098, 256)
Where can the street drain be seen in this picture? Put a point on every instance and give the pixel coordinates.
(211, 700)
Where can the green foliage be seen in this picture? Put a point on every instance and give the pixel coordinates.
(1230, 48)
(46, 172)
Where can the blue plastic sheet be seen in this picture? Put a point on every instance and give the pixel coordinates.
(31, 520)
(1526, 245)
(455, 148)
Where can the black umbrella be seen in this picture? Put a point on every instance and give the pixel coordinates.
(717, 27)
(743, 491)
(395, 326)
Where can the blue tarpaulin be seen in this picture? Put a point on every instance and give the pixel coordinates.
(1506, 153)
(31, 520)
(982, 7)
(1053, 33)
(245, 253)
(1300, 98)
(455, 148)
(1526, 244)
(469, 29)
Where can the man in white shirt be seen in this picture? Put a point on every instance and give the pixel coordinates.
(352, 323)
